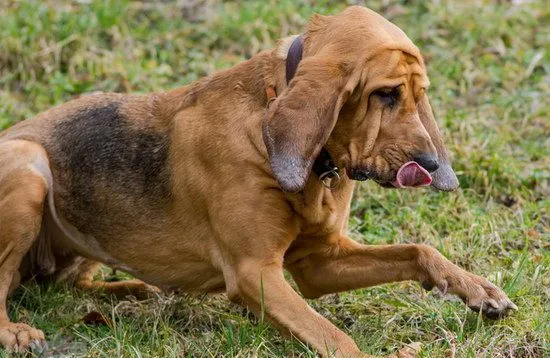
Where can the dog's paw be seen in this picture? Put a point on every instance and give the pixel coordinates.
(122, 289)
(488, 298)
(476, 292)
(143, 291)
(20, 338)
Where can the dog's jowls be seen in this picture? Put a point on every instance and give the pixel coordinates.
(210, 187)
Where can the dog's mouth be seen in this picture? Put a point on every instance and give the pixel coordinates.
(409, 175)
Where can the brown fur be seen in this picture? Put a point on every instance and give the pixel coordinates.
(203, 189)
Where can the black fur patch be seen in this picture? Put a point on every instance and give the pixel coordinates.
(99, 155)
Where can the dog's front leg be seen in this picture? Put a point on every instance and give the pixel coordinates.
(263, 289)
(343, 264)
(22, 195)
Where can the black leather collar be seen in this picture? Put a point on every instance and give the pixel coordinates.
(323, 166)
(293, 57)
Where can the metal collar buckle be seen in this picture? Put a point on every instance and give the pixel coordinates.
(330, 178)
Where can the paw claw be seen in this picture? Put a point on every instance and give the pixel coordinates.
(492, 303)
(444, 287)
(38, 347)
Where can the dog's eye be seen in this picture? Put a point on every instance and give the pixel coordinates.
(389, 96)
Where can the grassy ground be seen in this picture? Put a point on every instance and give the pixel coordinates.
(490, 72)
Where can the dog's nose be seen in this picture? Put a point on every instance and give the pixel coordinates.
(359, 174)
(427, 161)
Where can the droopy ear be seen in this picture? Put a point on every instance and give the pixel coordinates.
(443, 178)
(299, 122)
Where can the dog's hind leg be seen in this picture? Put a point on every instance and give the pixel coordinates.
(85, 280)
(22, 194)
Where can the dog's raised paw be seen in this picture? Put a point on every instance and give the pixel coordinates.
(489, 299)
(494, 309)
(475, 291)
(21, 338)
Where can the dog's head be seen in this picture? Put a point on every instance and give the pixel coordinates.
(360, 92)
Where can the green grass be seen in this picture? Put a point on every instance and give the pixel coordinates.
(489, 64)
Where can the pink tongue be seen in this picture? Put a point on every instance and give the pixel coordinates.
(411, 174)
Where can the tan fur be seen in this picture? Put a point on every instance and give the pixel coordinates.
(194, 199)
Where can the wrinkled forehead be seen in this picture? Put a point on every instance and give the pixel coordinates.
(391, 56)
(366, 40)
(391, 67)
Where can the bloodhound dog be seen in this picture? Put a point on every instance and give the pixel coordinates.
(223, 184)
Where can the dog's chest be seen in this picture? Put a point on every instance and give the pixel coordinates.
(322, 211)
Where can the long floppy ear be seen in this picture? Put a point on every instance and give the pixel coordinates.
(444, 178)
(299, 122)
